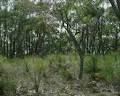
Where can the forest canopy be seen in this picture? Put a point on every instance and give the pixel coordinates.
(43, 27)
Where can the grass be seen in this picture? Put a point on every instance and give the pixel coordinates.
(33, 69)
(108, 65)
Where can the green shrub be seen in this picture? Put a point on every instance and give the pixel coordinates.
(91, 64)
(108, 66)
(7, 87)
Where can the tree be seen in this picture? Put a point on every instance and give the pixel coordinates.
(63, 15)
(116, 7)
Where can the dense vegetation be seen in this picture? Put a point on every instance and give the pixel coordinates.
(59, 48)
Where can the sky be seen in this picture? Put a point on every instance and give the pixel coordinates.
(105, 5)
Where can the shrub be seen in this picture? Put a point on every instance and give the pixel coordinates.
(7, 87)
(92, 64)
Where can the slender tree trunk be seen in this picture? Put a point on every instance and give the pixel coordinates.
(78, 49)
(116, 7)
(0, 33)
(81, 66)
(116, 41)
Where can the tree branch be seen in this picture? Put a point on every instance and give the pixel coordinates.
(115, 7)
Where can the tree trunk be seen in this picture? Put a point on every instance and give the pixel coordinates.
(116, 7)
(116, 41)
(78, 49)
(81, 66)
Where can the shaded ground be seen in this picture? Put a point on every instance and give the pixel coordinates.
(53, 84)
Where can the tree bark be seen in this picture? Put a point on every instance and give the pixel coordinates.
(115, 7)
(78, 49)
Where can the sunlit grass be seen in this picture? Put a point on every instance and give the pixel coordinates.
(108, 65)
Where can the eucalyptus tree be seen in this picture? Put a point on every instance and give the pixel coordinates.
(63, 13)
(82, 20)
(114, 27)
(4, 25)
(0, 29)
(116, 7)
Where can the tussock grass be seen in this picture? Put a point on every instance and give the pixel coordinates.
(108, 66)
(33, 69)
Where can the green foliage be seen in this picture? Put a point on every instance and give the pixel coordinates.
(107, 65)
(34, 28)
(92, 64)
(56, 66)
(7, 87)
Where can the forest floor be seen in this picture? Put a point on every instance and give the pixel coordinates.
(57, 86)
(57, 75)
